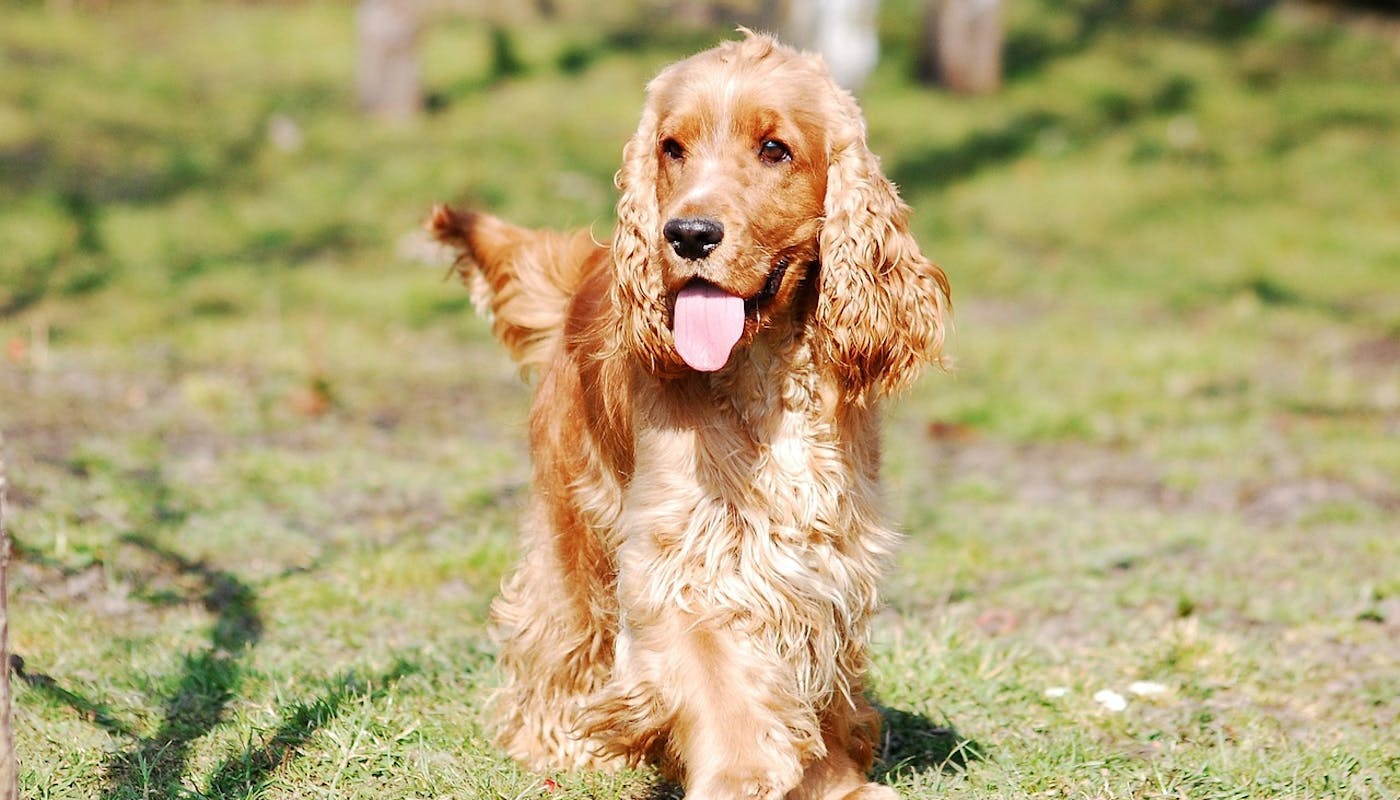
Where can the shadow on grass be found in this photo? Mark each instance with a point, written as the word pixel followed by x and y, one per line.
pixel 147 771
pixel 184 163
pixel 644 35
pixel 914 743
pixel 1022 133
pixel 157 765
pixel 663 790
pixel 246 774
pixel 196 704
pixel 99 714
pixel 199 693
pixel 1031 48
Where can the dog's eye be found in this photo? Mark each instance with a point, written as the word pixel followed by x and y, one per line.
pixel 673 149
pixel 773 151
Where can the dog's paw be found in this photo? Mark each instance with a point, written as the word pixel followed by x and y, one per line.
pixel 871 791
pixel 735 790
pixel 739 785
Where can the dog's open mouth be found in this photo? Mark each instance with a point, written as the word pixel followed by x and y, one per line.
pixel 769 290
pixel 709 320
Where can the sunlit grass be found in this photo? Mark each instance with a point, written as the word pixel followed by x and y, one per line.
pixel 266 465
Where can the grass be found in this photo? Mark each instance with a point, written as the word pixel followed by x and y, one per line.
pixel 265 466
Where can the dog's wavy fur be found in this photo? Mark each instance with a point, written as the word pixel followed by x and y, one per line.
pixel 702 550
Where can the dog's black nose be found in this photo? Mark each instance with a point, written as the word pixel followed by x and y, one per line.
pixel 693 237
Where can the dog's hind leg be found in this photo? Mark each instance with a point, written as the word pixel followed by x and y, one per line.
pixel 556 652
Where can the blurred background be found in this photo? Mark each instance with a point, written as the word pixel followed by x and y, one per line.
pixel 265 463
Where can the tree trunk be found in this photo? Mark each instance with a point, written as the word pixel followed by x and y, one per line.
pixel 389 86
pixel 843 31
pixel 963 45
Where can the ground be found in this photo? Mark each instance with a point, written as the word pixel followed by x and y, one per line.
pixel 265 464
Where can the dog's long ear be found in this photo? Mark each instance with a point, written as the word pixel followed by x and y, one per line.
pixel 638 291
pixel 882 306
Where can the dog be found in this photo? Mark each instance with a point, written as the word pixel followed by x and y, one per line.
pixel 704 542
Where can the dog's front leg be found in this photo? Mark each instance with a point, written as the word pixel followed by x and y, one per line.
pixel 730 731
pixel 705 676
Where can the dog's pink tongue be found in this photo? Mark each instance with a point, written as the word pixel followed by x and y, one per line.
pixel 709 321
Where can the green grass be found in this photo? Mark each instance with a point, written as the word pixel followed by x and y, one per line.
pixel 1169 451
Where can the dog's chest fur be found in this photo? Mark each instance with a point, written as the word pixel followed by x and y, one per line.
pixel 759 512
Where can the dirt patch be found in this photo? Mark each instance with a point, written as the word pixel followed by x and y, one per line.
pixel 1381 352
pixel 1074 474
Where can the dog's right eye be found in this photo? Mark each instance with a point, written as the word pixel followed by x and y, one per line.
pixel 673 149
pixel 773 151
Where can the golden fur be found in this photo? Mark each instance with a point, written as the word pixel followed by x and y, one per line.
pixel 702 550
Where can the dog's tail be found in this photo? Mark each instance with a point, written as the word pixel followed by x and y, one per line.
pixel 520 279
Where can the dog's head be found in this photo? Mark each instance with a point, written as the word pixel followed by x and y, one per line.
pixel 749 196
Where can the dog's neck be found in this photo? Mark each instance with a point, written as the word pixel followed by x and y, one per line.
pixel 772 424
pixel 767 383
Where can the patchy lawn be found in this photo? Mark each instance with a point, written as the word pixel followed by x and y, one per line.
pixel 266 465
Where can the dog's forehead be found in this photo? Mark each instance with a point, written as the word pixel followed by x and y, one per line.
pixel 753 78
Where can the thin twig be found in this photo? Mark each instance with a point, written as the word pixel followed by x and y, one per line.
pixel 9 780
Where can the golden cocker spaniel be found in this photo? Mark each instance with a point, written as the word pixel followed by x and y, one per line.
pixel 704 542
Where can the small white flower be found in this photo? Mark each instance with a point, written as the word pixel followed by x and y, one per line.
pixel 284 133
pixel 1110 700
pixel 1057 691
pixel 1182 132
pixel 1147 688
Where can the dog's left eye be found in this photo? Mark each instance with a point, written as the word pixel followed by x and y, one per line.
pixel 773 151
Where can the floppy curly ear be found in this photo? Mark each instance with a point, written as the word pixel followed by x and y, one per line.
pixel 637 291
pixel 881 307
